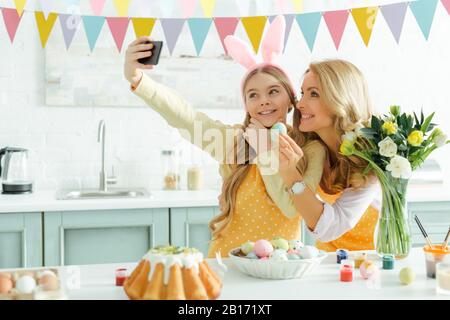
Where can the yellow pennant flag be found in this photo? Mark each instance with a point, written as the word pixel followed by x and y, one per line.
pixel 122 7
pixel 298 5
pixel 365 21
pixel 143 26
pixel 45 26
pixel 20 5
pixel 208 7
pixel 254 26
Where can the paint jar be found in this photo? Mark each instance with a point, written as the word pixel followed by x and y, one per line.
pixel 359 258
pixel 347 267
pixel 388 262
pixel 434 255
pixel 341 254
pixel 443 278
pixel 121 276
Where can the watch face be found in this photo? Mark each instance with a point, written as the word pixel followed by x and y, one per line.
pixel 298 187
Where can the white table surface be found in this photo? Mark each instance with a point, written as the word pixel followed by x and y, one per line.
pixel 45 201
pixel 98 282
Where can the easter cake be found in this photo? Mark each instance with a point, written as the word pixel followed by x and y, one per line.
pixel 173 273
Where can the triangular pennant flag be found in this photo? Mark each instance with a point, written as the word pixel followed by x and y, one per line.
pixel 446 4
pixel 12 21
pixel 309 25
pixel 298 5
pixel 424 11
pixel 44 25
pixel 166 7
pixel 336 22
pixel 365 21
pixel 47 6
pixel 93 26
pixel 254 26
pixel 122 7
pixel 394 14
pixel 69 25
pixel 187 7
pixel 118 27
pixel 172 29
pixel 97 6
pixel 199 30
pixel 243 7
pixel 143 26
pixel 208 7
pixel 20 5
pixel 225 27
pixel 289 18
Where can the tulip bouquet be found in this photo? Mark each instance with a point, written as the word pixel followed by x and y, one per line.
pixel 394 145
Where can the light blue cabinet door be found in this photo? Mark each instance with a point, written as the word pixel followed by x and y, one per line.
pixel 435 218
pixel 103 236
pixel 189 227
pixel 20 240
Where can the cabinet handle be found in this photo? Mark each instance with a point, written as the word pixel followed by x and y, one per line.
pixel 24 248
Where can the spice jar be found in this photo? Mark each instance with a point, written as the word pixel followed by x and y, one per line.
pixel 171 170
pixel 195 178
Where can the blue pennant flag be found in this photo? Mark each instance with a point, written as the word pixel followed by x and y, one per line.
pixel 309 25
pixel 424 11
pixel 93 26
pixel 199 30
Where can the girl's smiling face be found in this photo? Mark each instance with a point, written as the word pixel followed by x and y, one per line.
pixel 266 99
pixel 315 115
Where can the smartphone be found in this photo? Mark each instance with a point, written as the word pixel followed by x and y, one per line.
pixel 156 52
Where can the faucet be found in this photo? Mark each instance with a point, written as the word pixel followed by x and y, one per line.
pixel 104 180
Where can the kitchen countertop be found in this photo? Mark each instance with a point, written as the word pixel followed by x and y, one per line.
pixel 45 201
pixel 97 282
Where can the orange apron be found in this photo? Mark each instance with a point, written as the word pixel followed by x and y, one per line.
pixel 255 217
pixel 361 237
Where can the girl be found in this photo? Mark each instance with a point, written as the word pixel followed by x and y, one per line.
pixel 251 209
pixel 334 100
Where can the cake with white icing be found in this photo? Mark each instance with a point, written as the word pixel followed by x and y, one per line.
pixel 173 273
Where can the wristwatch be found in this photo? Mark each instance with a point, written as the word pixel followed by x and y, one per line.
pixel 297 188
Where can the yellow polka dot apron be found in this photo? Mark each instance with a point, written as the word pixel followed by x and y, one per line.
pixel 255 217
pixel 361 237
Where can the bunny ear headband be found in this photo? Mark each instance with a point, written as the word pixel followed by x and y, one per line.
pixel 272 48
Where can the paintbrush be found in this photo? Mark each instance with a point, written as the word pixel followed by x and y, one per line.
pixel 444 244
pixel 425 235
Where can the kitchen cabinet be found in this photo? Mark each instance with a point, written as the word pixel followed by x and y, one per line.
pixel 103 236
pixel 189 227
pixel 20 240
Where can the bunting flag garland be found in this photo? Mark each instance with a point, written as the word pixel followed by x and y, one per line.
pixel 424 12
pixel 143 26
pixel 394 14
pixel 12 20
pixel 336 22
pixel 365 21
pixel 254 26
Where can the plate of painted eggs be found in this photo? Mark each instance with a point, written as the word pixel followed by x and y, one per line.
pixel 276 259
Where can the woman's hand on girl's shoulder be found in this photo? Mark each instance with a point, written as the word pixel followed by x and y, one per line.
pixel 136 50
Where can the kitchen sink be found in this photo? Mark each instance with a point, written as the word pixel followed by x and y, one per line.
pixel 99 194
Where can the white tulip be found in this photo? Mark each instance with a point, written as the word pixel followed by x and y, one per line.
pixel 440 140
pixel 399 167
pixel 358 128
pixel 350 136
pixel 388 148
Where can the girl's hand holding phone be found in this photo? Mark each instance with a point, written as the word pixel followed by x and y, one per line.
pixel 138 49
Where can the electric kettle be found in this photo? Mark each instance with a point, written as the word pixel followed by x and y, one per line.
pixel 14 171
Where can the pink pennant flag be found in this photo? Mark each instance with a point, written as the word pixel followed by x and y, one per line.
pixel 336 21
pixel 446 4
pixel 118 27
pixel 225 27
pixel 12 20
pixel 97 6
pixel 187 7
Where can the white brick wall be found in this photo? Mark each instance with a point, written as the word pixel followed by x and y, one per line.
pixel 64 152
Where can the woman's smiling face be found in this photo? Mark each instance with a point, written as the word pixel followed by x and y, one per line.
pixel 266 99
pixel 315 114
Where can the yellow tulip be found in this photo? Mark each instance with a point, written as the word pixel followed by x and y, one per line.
pixel 389 127
pixel 347 148
pixel 415 138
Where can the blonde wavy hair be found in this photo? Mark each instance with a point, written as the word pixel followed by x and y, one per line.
pixel 238 171
pixel 346 94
